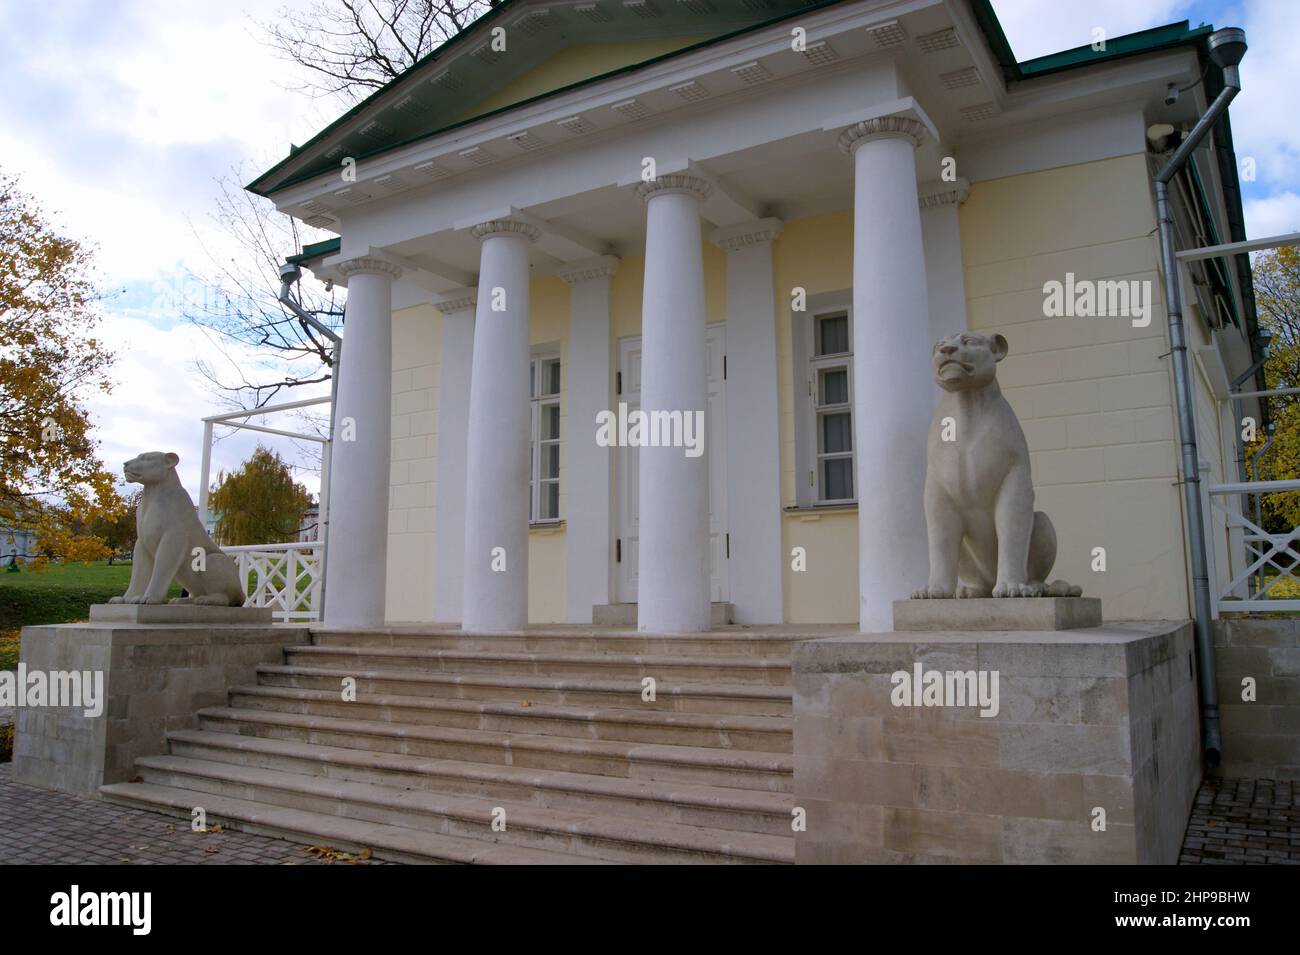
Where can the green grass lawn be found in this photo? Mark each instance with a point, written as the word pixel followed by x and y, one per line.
pixel 61 594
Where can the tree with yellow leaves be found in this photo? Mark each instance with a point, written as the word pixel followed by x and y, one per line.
pixel 51 480
pixel 1277 297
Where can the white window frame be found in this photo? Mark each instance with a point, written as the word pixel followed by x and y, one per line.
pixel 814 366
pixel 537 404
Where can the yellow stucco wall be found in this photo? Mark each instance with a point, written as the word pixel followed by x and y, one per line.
pixel 1094 395
pixel 417 337
pixel 815 254
pixel 574 64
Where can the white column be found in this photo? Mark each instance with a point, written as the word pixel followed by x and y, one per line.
pixel 753 423
pixel 357 565
pixel 945 275
pixel 891 363
pixel 453 435
pixel 496 474
pixel 587 537
pixel 673 552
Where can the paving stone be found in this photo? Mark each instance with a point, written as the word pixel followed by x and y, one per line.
pixel 1243 822
pixel 42 827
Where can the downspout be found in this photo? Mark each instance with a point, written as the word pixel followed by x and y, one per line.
pixel 289 274
pixel 1226 48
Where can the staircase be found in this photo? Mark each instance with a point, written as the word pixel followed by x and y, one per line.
pixel 545 732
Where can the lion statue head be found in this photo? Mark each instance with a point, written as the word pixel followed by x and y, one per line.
pixel 966 361
pixel 150 467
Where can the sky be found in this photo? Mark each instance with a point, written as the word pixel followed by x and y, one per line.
pixel 119 116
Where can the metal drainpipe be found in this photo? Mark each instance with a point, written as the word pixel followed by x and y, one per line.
pixel 289 273
pixel 1212 740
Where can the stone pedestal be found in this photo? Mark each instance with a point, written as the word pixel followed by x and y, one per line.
pixel 1083 722
pixel 178 613
pixel 153 677
pixel 991 613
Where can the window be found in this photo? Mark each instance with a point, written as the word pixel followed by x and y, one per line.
pixel 828 421
pixel 544 458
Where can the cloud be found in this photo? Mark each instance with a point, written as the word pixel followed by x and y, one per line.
pixel 160 399
pixel 1278 214
pixel 119 122
pixel 1036 28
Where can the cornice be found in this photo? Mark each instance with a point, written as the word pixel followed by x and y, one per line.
pixel 368 265
pixel 586 270
pixel 675 184
pixel 884 127
pixel 735 237
pixel 494 227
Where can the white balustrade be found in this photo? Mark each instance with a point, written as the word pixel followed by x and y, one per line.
pixel 286 577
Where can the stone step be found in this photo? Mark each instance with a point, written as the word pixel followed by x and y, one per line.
pixel 624 614
pixel 774 672
pixel 603 837
pixel 719 643
pixel 694 765
pixel 771 734
pixel 745 810
pixel 394 843
pixel 718 698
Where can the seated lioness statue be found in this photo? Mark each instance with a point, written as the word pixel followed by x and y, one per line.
pixel 985 537
pixel 171 543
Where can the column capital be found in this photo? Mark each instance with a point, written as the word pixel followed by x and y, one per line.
pixel 585 270
pixel 675 183
pixel 883 127
pixel 931 195
pixel 458 300
pixel 485 230
pixel 369 265
pixel 733 238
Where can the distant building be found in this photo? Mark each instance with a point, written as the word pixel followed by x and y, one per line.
pixel 16 544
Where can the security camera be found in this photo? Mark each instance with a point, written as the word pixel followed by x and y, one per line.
pixel 1171 94
pixel 290 273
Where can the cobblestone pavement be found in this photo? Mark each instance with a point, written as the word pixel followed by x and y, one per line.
pixel 1234 822
pixel 1244 822
pixel 45 827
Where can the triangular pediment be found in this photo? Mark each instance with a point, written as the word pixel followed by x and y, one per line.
pixel 521 50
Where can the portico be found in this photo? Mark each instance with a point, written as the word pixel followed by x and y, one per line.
pixel 764 233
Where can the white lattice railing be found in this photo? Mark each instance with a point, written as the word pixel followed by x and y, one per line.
pixel 1272 560
pixel 286 577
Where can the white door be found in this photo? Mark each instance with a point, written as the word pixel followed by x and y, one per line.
pixel 715 439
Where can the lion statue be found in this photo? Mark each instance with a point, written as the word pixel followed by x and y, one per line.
pixel 169 539
pixel 986 539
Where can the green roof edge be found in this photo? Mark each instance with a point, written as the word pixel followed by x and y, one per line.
pixel 316 250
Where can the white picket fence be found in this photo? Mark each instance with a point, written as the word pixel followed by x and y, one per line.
pixel 1270 560
pixel 286 577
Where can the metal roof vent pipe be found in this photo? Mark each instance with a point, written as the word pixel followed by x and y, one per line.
pixel 1226 48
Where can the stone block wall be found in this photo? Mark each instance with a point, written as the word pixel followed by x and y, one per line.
pixel 155 679
pixel 1104 717
pixel 1261 738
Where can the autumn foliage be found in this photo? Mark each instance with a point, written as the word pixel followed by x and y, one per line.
pixel 1277 298
pixel 260 503
pixel 51 479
